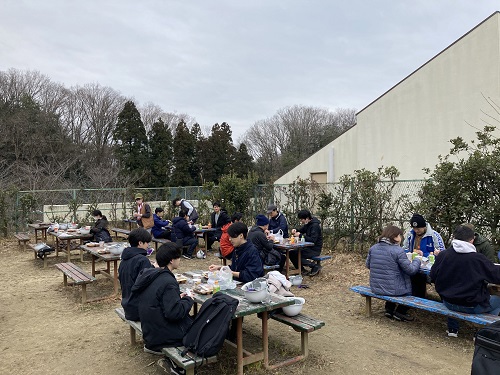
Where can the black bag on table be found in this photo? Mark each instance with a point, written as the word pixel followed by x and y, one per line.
pixel 206 335
pixel 486 360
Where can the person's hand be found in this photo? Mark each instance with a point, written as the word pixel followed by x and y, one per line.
pixel 436 251
pixel 296 234
pixel 419 252
pixel 135 214
pixel 213 267
pixel 294 231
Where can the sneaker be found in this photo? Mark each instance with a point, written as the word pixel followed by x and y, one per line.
pixel 402 317
pixel 185 256
pixel 389 315
pixel 452 332
pixel 315 270
pixel 146 350
pixel 170 367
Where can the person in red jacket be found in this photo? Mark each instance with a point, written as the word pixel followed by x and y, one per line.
pixel 226 247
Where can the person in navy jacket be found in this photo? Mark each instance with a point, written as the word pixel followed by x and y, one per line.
pixel 184 233
pixel 245 263
pixel 277 221
pixel 159 230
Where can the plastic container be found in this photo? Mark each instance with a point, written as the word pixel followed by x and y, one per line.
pixel 296 280
pixel 296 308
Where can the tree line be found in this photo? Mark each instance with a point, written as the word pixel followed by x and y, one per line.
pixel 94 137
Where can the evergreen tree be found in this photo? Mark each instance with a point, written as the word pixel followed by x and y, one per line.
pixel 162 160
pixel 221 151
pixel 131 143
pixel 184 146
pixel 243 162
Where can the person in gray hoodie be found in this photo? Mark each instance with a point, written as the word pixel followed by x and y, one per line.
pixel 390 271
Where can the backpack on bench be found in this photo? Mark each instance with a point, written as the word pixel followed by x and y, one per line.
pixel 206 335
pixel 486 360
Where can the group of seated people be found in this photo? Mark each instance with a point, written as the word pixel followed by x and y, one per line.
pixel 460 273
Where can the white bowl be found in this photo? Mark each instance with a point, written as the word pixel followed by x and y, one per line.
pixel 296 280
pixel 84 231
pixel 293 310
pixel 116 249
pixel 254 296
pixel 63 226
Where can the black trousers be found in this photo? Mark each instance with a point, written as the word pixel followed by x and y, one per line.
pixel 212 237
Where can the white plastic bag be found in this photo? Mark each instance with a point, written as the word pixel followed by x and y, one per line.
pixel 226 278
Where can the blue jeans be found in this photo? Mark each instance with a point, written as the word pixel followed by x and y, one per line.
pixel 493 308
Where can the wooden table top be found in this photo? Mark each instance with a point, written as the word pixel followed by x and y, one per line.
pixel 291 246
pixel 64 235
pixel 94 250
pixel 39 225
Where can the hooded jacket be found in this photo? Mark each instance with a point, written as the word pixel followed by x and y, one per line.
pixel 390 269
pixel 461 275
pixel 182 230
pixel 163 313
pixel 133 261
pixel 430 241
pixel 157 229
pixel 278 222
pixel 312 233
pixel 268 254
pixel 247 262
pixel 226 247
pixel 483 246
pixel 100 230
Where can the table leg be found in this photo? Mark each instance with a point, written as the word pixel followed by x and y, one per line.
pixel 57 246
pixel 115 275
pixel 299 261
pixel 68 249
pixel 36 235
pixel 205 237
pixel 239 344
pixel 265 341
pixel 93 264
pixel 44 234
pixel 287 263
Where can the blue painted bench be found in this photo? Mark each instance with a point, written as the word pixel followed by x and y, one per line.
pixel 424 304
pixel 321 258
pixel 271 268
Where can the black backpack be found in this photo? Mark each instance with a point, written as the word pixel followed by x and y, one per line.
pixel 486 360
pixel 206 335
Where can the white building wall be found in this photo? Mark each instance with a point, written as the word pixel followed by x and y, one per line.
pixel 411 125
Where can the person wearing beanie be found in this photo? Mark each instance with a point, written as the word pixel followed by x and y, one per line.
pixel 461 276
pixel 277 221
pixel 257 235
pixel 422 239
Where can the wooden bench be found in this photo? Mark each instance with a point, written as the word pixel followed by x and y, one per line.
pixel 300 323
pixel 79 277
pixel 159 240
pixel 423 304
pixel 22 239
pixel 189 362
pixel 45 254
pixel 126 232
pixel 321 258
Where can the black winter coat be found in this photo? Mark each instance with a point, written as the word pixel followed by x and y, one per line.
pixel 133 261
pixel 164 314
pixel 268 254
pixel 312 233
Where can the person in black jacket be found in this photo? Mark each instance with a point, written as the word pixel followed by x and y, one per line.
pixel 184 233
pixel 134 260
pixel 218 219
pixel 100 228
pixel 163 309
pixel 461 276
pixel 277 221
pixel 257 234
pixel 311 232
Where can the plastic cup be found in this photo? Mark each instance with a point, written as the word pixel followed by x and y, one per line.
pixel 101 243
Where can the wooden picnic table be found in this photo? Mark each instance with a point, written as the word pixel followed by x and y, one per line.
pixel 130 222
pixel 246 308
pixel 108 258
pixel 42 227
pixel 68 237
pixel 286 248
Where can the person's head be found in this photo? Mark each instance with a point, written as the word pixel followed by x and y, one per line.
pixel 139 198
pixel 304 216
pixel 237 233
pixel 418 224
pixel 139 237
pixel 262 221
pixel 236 217
pixel 97 214
pixel 159 211
pixel 183 213
pixel 272 210
pixel 469 225
pixel 463 233
pixel 176 202
pixel 216 207
pixel 168 255
pixel 392 233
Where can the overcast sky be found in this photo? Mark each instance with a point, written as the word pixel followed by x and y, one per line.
pixel 237 61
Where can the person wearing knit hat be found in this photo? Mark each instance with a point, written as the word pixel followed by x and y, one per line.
pixel 424 240
pixel 257 235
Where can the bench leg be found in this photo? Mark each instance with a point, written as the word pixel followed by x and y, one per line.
pixel 368 306
pixel 190 371
pixel 45 261
pixel 133 341
pixel 304 343
pixel 65 280
pixel 84 293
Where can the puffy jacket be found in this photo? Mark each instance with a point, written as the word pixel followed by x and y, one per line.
pixel 157 229
pixel 100 230
pixel 163 313
pixel 226 247
pixel 390 269
pixel 430 241
pixel 312 233
pixel 247 262
pixel 483 246
pixel 278 222
pixel 134 260
pixel 182 230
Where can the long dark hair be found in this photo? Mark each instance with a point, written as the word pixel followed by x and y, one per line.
pixel 391 232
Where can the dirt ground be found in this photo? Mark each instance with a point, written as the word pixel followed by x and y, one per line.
pixel 46 330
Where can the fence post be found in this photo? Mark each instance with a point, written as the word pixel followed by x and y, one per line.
pixel 351 226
